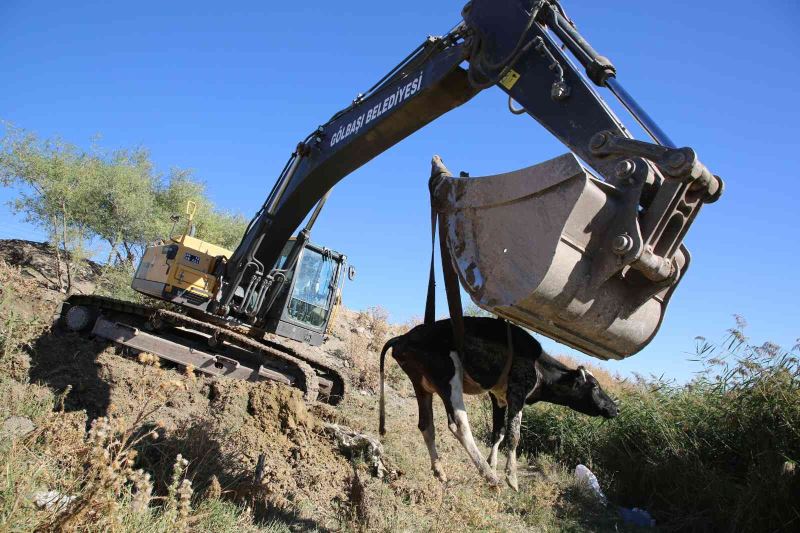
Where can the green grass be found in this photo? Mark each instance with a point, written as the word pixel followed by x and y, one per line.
pixel 716 454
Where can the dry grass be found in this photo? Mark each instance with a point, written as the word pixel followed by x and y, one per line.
pixel 22 320
pixel 363 341
pixel 89 480
pixel 118 478
pixel 413 500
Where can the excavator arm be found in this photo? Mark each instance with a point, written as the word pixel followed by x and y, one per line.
pixel 423 87
pixel 643 195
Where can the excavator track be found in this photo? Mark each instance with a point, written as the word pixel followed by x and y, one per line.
pixel 146 328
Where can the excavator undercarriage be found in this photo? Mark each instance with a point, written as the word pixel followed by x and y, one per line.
pixel 209 346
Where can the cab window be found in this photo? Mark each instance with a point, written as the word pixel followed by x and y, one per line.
pixel 311 293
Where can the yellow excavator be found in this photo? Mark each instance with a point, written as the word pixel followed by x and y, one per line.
pixel 184 271
pixel 586 248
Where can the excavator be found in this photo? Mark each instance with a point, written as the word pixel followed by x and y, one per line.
pixel 586 248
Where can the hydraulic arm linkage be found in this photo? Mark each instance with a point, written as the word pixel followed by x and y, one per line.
pixel 655 189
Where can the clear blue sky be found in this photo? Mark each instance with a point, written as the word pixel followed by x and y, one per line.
pixel 229 89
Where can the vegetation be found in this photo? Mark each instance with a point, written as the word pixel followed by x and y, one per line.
pixel 719 453
pixel 60 477
pixel 117 198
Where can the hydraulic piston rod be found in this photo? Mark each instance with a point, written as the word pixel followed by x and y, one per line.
pixel 601 71
pixel 639 113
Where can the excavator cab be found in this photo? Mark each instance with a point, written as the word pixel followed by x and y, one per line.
pixel 306 305
pixel 184 270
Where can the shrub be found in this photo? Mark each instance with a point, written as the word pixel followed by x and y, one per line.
pixel 363 344
pixel 718 453
pixel 115 282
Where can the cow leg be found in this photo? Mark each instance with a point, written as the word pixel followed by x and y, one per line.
pixel 514 422
pixel 459 424
pixel 428 429
pixel 498 430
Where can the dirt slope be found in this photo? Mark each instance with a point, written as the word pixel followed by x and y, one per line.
pixel 223 427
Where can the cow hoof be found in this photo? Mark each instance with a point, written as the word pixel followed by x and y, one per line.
pixel 439 474
pixel 493 480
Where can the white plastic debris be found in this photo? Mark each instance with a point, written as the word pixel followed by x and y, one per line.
pixel 359 443
pixel 585 476
pixel 635 516
pixel 51 499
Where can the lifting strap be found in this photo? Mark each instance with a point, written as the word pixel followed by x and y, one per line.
pixel 430 301
pixel 451 283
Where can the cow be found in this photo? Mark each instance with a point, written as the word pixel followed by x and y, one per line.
pixel 500 359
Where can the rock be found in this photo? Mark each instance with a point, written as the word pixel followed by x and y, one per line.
pixel 354 443
pixel 16 427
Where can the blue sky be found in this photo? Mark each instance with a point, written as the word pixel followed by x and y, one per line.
pixel 228 91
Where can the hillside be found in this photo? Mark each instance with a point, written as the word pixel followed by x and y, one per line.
pixel 121 472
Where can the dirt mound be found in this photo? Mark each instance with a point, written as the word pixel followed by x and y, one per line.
pixel 258 441
pixel 37 261
pixel 286 405
pixel 222 427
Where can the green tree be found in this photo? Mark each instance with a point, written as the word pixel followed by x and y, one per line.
pixel 473 310
pixel 117 197
pixel 52 191
pixel 120 189
pixel 218 227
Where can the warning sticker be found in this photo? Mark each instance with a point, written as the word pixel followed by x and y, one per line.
pixel 510 78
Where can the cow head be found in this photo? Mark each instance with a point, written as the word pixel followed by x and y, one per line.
pixel 579 390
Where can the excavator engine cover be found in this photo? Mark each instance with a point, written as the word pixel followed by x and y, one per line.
pixel 554 249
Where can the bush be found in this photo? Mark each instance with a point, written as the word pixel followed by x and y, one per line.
pixel 363 344
pixel 718 453
pixel 115 282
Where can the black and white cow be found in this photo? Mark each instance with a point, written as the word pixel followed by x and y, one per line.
pixel 513 377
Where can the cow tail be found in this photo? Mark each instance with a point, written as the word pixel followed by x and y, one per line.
pixel 382 416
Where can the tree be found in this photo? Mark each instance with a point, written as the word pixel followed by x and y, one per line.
pixel 52 194
pixel 219 227
pixel 473 310
pixel 117 197
pixel 120 188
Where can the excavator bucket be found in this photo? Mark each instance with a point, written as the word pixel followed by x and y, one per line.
pixel 554 249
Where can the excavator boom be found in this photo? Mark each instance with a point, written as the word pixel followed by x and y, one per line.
pixel 588 256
